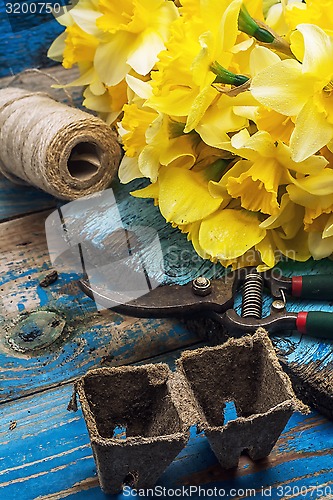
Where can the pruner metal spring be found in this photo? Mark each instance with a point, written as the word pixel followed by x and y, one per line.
pixel 252 293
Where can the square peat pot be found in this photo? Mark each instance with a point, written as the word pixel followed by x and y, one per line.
pixel 247 373
pixel 134 426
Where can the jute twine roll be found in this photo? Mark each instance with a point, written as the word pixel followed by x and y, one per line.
pixel 59 149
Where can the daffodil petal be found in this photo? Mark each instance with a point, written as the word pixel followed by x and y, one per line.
pixel 260 141
pixel 85 79
pixel 313 165
pixel 149 162
pixel 318 185
pixel 212 135
pixel 151 191
pixel 97 88
pixel 86 19
pixel 176 103
pixel 116 50
pixel 308 200
pixel 283 87
pixel 128 170
pixel 239 140
pixel 143 55
pixel 281 216
pixel 193 236
pixel 312 132
pixel 56 50
pixel 297 44
pixel 228 234
pixel 268 253
pixel 140 88
pixel 289 218
pixel 318 53
pixel 184 197
pixel 320 247
pixel 229 25
pixel 328 229
pixel 199 106
pixel 180 150
pixel 261 58
pixel 295 248
pixel 65 19
pixel 94 102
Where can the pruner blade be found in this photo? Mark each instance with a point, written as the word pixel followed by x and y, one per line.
pixel 164 301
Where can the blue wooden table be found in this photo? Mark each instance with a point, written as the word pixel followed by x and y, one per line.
pixel 45 451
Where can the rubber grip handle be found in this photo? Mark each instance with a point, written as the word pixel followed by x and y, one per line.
pixel 315 323
pixel 319 286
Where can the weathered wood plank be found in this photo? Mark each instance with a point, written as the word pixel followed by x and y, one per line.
pixel 25 39
pixel 307 360
pixel 16 200
pixel 89 337
pixel 41 80
pixel 57 461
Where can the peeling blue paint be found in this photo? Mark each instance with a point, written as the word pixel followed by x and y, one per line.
pixel 26 48
pixel 43 296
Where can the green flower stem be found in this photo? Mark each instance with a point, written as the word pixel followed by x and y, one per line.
pixel 248 25
pixel 225 76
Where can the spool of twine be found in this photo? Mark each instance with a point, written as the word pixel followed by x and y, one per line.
pixel 59 149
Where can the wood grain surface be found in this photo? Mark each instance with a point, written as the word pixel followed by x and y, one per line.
pixel 90 337
pixel 25 39
pixel 50 457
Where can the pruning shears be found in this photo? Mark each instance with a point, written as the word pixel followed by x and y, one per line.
pixel 215 299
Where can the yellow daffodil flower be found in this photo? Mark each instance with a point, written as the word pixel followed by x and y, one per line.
pixel 288 220
pixel 154 139
pixel 313 12
pixel 226 106
pixel 183 196
pixel 279 126
pixel 303 90
pixel 182 84
pixel 257 181
pixel 228 234
pixel 315 193
pixel 78 43
pixel 79 46
pixel 108 105
pixel 137 31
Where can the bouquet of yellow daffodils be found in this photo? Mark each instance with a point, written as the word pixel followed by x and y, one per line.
pixel 226 106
